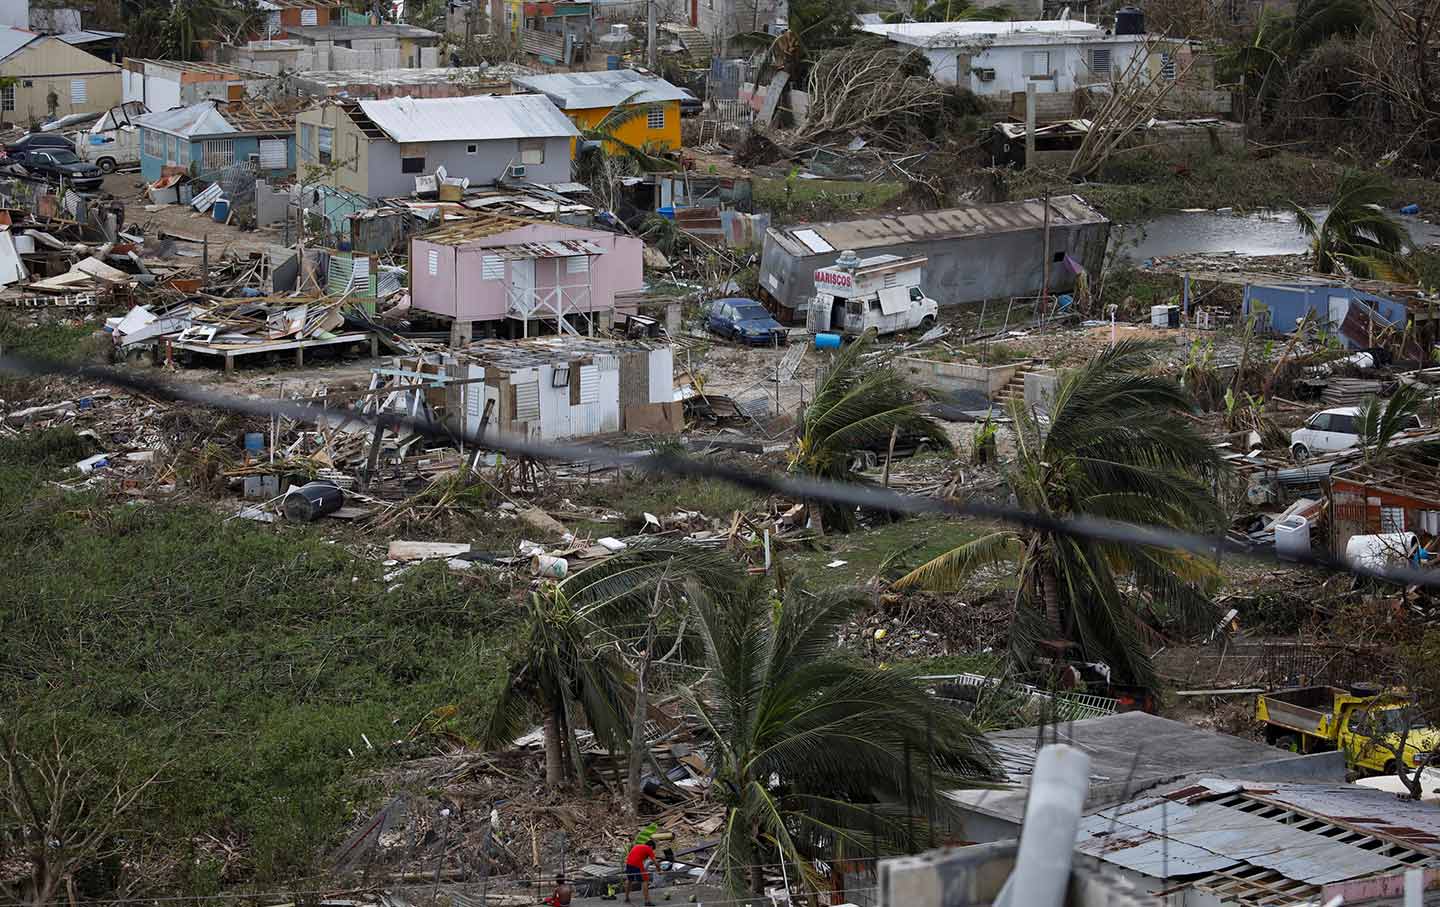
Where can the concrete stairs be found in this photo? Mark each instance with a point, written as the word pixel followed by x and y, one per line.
pixel 1014 389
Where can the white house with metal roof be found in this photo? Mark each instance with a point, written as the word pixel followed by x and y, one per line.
pixel 376 148
pixel 46 77
pixel 998 58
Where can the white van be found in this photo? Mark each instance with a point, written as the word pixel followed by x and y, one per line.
pixel 113 143
pixel 882 292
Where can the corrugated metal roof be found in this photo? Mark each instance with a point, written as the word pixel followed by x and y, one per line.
pixel 950 223
pixel 197 119
pixel 359 32
pixel 950 34
pixel 89 37
pixel 607 88
pixel 476 118
pixel 1414 824
pixel 13 39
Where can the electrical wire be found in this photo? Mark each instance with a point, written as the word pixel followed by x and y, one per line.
pixel 857 495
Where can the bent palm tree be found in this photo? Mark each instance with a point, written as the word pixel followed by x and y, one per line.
pixel 817 755
pixel 1378 422
pixel 1117 446
pixel 859 404
pixel 1357 235
pixel 570 654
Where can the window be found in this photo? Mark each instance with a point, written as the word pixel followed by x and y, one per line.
pixel 589 384
pixel 307 142
pixel 1167 67
pixel 327 145
pixel 78 92
pixel 1344 424
pixel 153 148
pixel 1037 64
pixel 432 262
pixel 527 400
pixel 532 151
pixel 1320 422
pixel 655 119
pixel 492 267
pixel 471 149
pixel 892 279
pixel 577 264
pixel 7 98
pixel 29 83
pixel 1392 519
pixel 916 295
pixel 309 17
pixel 1100 61
pixel 412 158
pixel 219 153
pixel 1058 257
pixel 182 156
pixel 355 153
pixel 560 376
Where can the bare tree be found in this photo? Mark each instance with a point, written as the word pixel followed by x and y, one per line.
pixel 59 816
pixel 864 87
pixel 1132 99
pixel 1398 67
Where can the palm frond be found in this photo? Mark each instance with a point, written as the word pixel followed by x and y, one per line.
pixel 949 570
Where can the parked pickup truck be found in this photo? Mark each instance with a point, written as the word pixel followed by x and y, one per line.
pixel 1364 724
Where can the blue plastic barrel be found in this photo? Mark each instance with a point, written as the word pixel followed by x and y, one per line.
pixel 254 441
pixel 827 341
pixel 666 211
pixel 221 209
pixel 612 61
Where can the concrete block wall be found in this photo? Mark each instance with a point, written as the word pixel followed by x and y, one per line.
pixel 957 377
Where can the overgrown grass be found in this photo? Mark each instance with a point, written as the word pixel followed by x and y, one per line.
pixel 62 340
pixel 1136 186
pixel 888 550
pixel 791 200
pixel 249 665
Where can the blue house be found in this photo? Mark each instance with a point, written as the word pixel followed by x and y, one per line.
pixel 1355 315
pixel 208 137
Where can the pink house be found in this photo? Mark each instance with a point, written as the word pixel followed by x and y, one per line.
pixel 511 272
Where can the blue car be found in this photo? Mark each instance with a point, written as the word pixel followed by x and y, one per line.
pixel 744 321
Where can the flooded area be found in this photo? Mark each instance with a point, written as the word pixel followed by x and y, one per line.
pixel 1217 232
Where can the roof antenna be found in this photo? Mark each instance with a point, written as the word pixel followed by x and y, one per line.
pixel 1065 14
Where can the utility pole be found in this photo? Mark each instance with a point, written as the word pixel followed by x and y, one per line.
pixel 1045 265
pixel 650 35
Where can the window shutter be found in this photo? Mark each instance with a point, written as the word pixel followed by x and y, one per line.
pixel 589 384
pixel 527 400
pixel 577 264
pixel 492 267
pixel 78 93
pixel 432 262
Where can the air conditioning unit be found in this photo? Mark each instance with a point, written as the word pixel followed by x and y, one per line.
pixel 517 171
pixel 252 158
pixel 985 75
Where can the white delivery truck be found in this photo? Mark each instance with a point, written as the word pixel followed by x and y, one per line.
pixel 113 143
pixel 882 292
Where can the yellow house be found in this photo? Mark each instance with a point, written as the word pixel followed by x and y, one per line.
pixel 43 77
pixel 588 97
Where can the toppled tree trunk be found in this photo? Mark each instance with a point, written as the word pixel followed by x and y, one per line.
pixel 554 764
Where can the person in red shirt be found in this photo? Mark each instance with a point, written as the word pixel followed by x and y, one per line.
pixel 635 862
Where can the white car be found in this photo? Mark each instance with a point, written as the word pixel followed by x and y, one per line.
pixel 1331 430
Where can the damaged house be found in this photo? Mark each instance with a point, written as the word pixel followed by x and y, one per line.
pixel 550 387
pixel 379 147
pixel 511 274
pixel 210 136
pixel 1395 493
pixel 589 97
pixel 974 252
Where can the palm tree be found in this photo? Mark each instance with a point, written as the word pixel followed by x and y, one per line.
pixel 817 755
pixel 1116 445
pixel 571 648
pixel 1358 235
pixel 861 402
pixel 1378 422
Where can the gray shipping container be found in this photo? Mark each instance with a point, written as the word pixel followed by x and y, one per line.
pixel 974 252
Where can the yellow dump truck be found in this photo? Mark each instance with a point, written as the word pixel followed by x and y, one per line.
pixel 1364 724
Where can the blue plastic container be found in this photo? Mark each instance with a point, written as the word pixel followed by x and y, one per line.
pixel 221 209
pixel 666 211
pixel 827 341
pixel 612 62
pixel 1410 209
pixel 254 441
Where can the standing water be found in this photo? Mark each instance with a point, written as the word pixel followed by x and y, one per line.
pixel 1213 232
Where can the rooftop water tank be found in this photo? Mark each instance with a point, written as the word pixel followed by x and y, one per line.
pixel 1129 21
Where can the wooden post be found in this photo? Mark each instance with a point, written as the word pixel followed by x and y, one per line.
pixel 1029 125
pixel 204 261
pixel 1045 272
pixel 889 455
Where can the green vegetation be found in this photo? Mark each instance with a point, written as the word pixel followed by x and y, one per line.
pixel 1357 235
pixel 808 740
pixel 793 199
pixel 860 405
pixel 885 550
pixel 260 671
pixel 1117 446
pixel 1137 186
